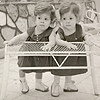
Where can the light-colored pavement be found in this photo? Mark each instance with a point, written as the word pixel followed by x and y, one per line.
pixel 83 82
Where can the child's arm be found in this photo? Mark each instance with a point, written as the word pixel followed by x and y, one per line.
pixel 61 42
pixel 86 36
pixel 88 39
pixel 18 38
pixel 51 42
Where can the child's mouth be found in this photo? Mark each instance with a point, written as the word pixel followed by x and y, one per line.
pixel 68 25
pixel 41 25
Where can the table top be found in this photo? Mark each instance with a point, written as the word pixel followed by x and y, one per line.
pixel 35 48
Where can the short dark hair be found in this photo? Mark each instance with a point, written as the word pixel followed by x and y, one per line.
pixel 70 7
pixel 43 7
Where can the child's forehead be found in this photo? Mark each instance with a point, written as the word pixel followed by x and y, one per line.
pixel 46 14
pixel 68 14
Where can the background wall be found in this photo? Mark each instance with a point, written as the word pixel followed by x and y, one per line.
pixel 98 7
pixel 16 17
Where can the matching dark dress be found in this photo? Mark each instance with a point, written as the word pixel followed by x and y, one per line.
pixel 41 61
pixel 36 61
pixel 72 60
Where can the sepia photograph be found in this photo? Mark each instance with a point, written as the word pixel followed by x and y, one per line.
pixel 49 50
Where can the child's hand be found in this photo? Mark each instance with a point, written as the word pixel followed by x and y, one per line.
pixel 71 46
pixel 88 40
pixel 7 42
pixel 46 47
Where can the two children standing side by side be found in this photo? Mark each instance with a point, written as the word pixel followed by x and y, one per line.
pixel 69 31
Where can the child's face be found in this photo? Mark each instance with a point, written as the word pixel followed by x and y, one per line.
pixel 68 20
pixel 43 21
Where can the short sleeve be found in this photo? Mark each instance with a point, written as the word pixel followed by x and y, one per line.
pixel 61 33
pixel 30 30
pixel 79 32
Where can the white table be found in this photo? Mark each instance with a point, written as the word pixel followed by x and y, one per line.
pixel 33 49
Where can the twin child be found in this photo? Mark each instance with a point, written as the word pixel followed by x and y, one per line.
pixel 69 31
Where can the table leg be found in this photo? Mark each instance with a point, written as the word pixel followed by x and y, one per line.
pixel 93 72
pixel 5 78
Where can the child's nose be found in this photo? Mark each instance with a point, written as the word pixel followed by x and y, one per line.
pixel 42 21
pixel 67 20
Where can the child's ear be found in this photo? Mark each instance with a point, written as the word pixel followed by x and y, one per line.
pixel 61 23
pixel 78 19
pixel 53 22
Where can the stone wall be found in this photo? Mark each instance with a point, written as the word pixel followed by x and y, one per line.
pixel 16 17
pixel 39 0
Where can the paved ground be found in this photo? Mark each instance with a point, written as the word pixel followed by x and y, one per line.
pixel 83 82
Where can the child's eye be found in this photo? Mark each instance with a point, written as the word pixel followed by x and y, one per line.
pixel 39 17
pixel 45 19
pixel 64 18
pixel 71 18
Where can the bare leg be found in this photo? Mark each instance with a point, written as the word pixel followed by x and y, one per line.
pixel 56 79
pixel 39 76
pixel 21 74
pixel 69 85
pixel 68 79
pixel 23 82
pixel 55 86
pixel 39 85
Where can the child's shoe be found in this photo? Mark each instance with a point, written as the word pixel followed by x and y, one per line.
pixel 24 86
pixel 70 87
pixel 41 87
pixel 55 89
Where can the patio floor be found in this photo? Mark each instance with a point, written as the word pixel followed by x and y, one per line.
pixel 83 82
